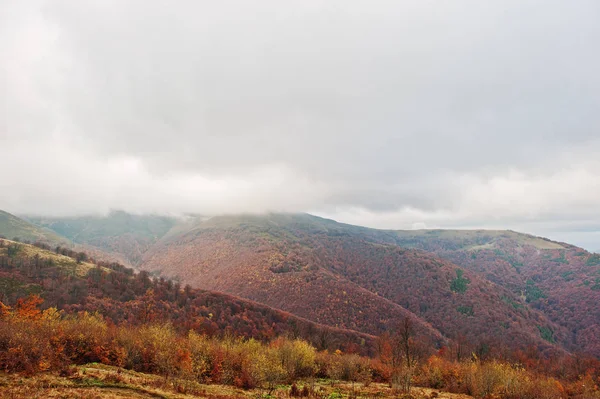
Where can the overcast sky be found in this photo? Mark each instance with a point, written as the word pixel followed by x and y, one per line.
pixel 399 114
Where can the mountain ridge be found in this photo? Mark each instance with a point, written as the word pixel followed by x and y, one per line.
pixel 266 257
pixel 119 232
pixel 250 255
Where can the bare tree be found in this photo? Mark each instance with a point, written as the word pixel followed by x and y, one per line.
pixel 406 334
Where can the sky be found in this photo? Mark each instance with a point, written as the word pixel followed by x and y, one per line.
pixel 390 114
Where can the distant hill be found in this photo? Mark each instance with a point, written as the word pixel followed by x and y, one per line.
pixel 559 279
pixel 13 227
pixel 119 232
pixel 348 276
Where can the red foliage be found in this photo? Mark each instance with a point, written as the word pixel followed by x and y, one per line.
pixel 28 308
pixel 348 277
pixel 122 296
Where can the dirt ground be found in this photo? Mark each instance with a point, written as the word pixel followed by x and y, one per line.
pixel 96 381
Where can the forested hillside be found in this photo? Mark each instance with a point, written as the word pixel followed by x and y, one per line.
pixel 558 279
pixel 118 232
pixel 77 328
pixel 69 281
pixel 14 227
pixel 338 275
pixel 490 288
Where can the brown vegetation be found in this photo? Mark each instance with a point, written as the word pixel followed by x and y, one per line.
pixel 122 296
pixel 341 276
pixel 559 280
pixel 33 341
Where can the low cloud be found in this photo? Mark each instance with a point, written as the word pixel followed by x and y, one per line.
pixel 394 114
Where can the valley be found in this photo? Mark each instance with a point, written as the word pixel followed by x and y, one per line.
pixel 492 288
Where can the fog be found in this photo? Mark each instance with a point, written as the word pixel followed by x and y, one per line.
pixel 411 114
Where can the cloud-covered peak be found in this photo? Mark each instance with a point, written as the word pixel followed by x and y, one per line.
pixel 389 114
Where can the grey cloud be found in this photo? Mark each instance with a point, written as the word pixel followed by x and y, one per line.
pixel 329 90
pixel 385 106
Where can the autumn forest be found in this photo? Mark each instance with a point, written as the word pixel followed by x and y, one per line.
pixel 307 308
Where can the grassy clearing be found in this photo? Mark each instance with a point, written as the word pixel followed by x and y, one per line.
pixel 61 261
pixel 471 239
pixel 100 381
pixel 488 245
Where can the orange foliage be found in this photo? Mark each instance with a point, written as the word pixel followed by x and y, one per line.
pixel 4 310
pixel 28 308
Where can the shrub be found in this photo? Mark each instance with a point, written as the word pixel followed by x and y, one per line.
pixel 155 349
pixel 273 371
pixel 460 283
pixel 86 339
pixel 201 356
pixel 402 378
pixel 297 357
pixel 31 342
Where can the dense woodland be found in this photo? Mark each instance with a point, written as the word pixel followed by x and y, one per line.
pixel 35 341
pixel 560 280
pixel 341 276
pixel 59 308
pixel 68 281
pixel 514 289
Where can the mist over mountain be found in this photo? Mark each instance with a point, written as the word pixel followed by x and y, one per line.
pixel 281 199
pixel 389 115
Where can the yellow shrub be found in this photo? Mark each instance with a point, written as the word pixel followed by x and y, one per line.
pixel 297 357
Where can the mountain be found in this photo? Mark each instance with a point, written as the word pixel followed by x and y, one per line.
pixel 122 296
pixel 119 232
pixel 558 279
pixel 13 227
pixel 519 288
pixel 349 277
pixel 122 334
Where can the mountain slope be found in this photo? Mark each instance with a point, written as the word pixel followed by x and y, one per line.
pixel 257 257
pixel 341 275
pixel 118 232
pixel 14 227
pixel 561 280
pixel 122 296
pixel 228 265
